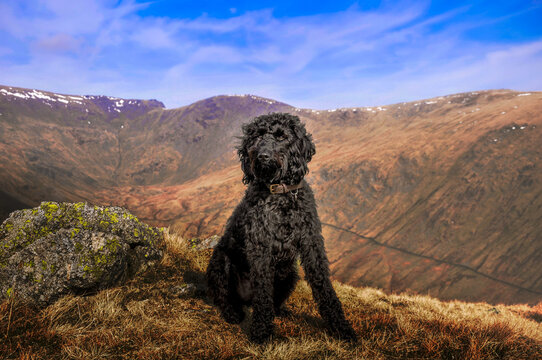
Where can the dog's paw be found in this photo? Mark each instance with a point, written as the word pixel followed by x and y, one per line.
pixel 342 329
pixel 233 317
pixel 348 334
pixel 261 334
pixel 260 338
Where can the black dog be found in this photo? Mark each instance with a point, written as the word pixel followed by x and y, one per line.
pixel 254 262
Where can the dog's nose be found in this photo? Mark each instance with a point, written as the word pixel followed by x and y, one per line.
pixel 264 156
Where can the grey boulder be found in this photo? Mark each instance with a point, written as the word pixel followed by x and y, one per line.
pixel 60 248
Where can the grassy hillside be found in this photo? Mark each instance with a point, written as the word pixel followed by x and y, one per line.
pixel 165 315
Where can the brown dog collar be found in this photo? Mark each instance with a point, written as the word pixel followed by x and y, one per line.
pixel 283 188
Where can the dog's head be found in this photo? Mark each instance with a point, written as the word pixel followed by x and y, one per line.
pixel 275 148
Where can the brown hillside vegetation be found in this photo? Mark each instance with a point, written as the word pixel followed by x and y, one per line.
pixel 165 315
pixel 441 196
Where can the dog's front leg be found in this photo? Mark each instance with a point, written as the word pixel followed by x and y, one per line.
pixel 261 277
pixel 316 267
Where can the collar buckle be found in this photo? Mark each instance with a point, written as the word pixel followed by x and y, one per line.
pixel 277 189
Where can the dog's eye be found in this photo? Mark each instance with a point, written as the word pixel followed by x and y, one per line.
pixel 279 135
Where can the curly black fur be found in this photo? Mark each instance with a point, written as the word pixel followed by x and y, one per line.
pixel 254 262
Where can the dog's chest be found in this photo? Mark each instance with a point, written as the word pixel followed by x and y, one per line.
pixel 283 220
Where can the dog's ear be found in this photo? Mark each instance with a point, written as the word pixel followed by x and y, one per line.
pixel 303 139
pixel 301 151
pixel 307 148
pixel 242 151
pixel 248 176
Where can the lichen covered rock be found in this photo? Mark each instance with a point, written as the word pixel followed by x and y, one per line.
pixel 208 243
pixel 60 248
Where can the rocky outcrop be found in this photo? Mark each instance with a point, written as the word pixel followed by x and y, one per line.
pixel 204 244
pixel 60 248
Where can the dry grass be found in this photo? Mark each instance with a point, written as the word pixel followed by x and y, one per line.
pixel 160 316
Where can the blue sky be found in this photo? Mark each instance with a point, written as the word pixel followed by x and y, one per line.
pixel 306 53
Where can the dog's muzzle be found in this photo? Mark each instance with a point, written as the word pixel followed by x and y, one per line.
pixel 265 165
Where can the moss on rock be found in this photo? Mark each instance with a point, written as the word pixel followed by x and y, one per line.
pixel 77 246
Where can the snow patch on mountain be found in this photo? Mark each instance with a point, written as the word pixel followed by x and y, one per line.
pixel 254 97
pixel 39 95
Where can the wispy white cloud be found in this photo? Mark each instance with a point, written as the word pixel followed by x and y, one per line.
pixel 348 58
pixel 513 67
pixel 58 43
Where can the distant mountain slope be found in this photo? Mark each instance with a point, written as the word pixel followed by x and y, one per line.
pixel 440 196
pixel 57 146
pixel 62 147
